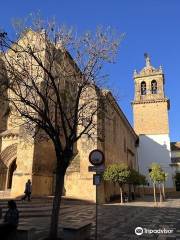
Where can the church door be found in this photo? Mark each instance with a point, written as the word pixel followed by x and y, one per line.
pixel 3 174
pixel 12 168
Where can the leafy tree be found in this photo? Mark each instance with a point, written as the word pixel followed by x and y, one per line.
pixel 157 176
pixel 142 180
pixel 137 179
pixel 154 175
pixel 54 79
pixel 164 178
pixel 134 177
pixel 133 180
pixel 117 173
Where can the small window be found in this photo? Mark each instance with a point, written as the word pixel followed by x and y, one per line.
pixel 143 88
pixel 154 87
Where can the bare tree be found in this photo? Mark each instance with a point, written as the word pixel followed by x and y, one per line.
pixel 54 83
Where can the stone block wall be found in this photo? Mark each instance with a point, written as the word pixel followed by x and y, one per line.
pixel 24 161
pixel 119 143
pixel 146 120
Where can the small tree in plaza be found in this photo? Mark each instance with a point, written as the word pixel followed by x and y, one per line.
pixel 154 171
pixel 137 179
pixel 142 181
pixel 133 180
pixel 117 173
pixel 158 176
pixel 164 178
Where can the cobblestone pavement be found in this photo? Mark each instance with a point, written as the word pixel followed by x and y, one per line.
pixel 140 214
pixel 115 221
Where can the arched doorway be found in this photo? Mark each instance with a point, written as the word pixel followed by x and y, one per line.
pixel 7 166
pixel 12 168
pixel 3 175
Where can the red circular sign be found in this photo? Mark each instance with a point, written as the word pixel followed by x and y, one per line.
pixel 96 157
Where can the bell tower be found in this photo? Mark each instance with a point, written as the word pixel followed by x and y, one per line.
pixel 150 111
pixel 150 105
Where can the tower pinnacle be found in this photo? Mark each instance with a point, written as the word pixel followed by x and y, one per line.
pixel 147 59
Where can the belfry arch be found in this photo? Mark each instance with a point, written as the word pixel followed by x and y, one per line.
pixel 7 166
pixel 154 87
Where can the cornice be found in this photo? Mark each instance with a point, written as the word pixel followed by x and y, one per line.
pixel 150 101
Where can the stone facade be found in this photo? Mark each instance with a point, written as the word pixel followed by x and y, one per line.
pixel 117 139
pixel 21 160
pixel 146 120
pixel 30 160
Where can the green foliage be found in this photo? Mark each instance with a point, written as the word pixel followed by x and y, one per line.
pixel 117 173
pixel 164 176
pixel 157 174
pixel 142 180
pixel 136 178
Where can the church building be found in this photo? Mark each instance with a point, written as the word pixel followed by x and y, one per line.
pixel 35 160
pixel 138 147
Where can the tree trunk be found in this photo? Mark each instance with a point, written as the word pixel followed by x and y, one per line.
pixel 129 192
pixel 53 233
pixel 143 192
pixel 62 164
pixel 160 194
pixel 114 187
pixel 163 191
pixel 155 200
pixel 135 194
pixel 121 193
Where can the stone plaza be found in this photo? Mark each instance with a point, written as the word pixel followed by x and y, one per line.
pixel 115 221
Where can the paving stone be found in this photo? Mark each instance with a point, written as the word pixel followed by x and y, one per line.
pixel 114 220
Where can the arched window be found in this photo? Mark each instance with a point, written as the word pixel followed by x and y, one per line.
pixel 153 87
pixel 143 88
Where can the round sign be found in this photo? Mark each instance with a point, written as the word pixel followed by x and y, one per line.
pixel 96 157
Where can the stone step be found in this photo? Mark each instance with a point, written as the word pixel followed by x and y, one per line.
pixel 37 210
pixel 32 210
pixel 27 204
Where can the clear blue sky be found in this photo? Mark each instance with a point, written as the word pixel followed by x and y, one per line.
pixel 151 26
